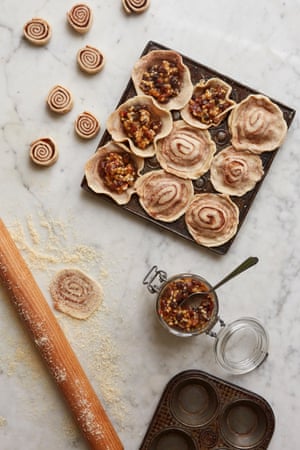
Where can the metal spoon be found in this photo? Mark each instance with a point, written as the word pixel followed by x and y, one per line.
pixel 196 298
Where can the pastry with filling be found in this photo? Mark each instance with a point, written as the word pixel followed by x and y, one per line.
pixel 164 196
pixel 186 152
pixel 135 6
pixel 235 172
pixel 257 124
pixel 209 104
pixel 113 170
pixel 212 219
pixel 141 122
pixel 80 17
pixel 37 31
pixel 163 75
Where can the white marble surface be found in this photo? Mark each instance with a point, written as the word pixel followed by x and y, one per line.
pixel 256 43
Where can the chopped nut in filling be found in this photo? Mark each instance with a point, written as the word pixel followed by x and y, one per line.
pixel 140 125
pixel 207 105
pixel 186 318
pixel 162 81
pixel 118 171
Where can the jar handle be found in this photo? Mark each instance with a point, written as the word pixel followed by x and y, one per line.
pixel 153 275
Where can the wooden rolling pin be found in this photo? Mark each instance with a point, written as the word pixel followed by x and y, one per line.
pixel 54 347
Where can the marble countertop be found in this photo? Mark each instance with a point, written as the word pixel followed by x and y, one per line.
pixel 127 356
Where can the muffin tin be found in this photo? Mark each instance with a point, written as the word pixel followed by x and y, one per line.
pixel 220 135
pixel 198 411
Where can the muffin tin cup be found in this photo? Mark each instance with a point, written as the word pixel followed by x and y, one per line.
pixel 198 411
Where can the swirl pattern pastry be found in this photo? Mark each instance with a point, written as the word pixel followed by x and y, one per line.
pixel 86 125
pixel 257 124
pixel 135 6
pixel 186 152
pixel 74 293
pixel 212 219
pixel 60 100
pixel 43 151
pixel 90 59
pixel 37 31
pixel 235 172
pixel 164 196
pixel 80 17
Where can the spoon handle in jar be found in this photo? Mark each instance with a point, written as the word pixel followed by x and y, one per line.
pixel 249 262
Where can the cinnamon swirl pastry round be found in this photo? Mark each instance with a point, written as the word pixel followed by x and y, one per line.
pixel 90 59
pixel 164 196
pixel 212 219
pixel 186 152
pixel 60 100
pixel 37 31
pixel 80 17
pixel 235 172
pixel 135 6
pixel 86 125
pixel 43 152
pixel 75 293
pixel 257 125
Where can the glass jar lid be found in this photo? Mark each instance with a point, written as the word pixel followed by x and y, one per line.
pixel 241 345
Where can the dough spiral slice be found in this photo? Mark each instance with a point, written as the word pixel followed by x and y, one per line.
pixel 135 6
pixel 90 59
pixel 75 293
pixel 43 151
pixel 212 219
pixel 235 172
pixel 80 17
pixel 186 152
pixel 87 125
pixel 164 196
pixel 60 100
pixel 257 124
pixel 37 31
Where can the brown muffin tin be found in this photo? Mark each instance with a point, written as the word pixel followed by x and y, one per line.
pixel 220 135
pixel 198 411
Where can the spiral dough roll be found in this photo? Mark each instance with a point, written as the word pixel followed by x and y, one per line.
pixel 60 100
pixel 80 17
pixel 86 125
pixel 75 293
pixel 90 59
pixel 37 31
pixel 43 152
pixel 135 6
pixel 212 219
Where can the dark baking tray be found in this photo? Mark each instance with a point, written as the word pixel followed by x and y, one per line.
pixel 220 135
pixel 198 411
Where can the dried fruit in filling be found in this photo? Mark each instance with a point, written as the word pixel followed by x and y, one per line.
pixel 118 171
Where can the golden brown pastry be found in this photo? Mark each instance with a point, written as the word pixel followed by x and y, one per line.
pixel 257 124
pixel 135 6
pixel 43 151
pixel 60 100
pixel 37 31
pixel 235 172
pixel 90 60
pixel 163 75
pixel 80 17
pixel 186 152
pixel 212 219
pixel 164 196
pixel 87 125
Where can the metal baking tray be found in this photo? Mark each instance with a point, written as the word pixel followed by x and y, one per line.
pixel 220 135
pixel 198 411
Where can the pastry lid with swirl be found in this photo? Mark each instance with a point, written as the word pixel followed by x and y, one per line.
pixel 235 172
pixel 164 196
pixel 112 171
pixel 186 152
pixel 140 122
pixel 162 74
pixel 257 124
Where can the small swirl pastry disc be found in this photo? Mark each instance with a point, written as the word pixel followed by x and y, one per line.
pixel 80 17
pixel 37 31
pixel 235 172
pixel 164 196
pixel 90 60
pixel 75 293
pixel 186 152
pixel 86 125
pixel 257 124
pixel 60 100
pixel 135 6
pixel 43 151
pixel 212 219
